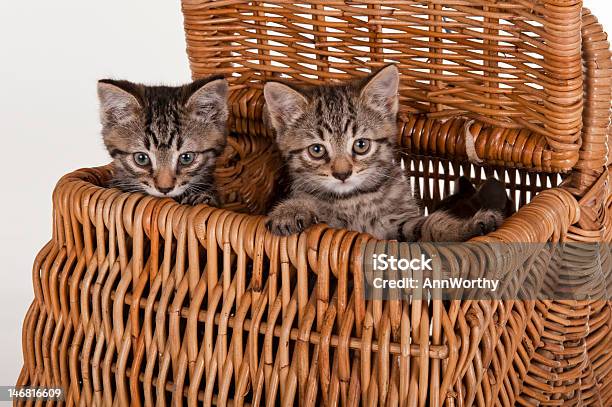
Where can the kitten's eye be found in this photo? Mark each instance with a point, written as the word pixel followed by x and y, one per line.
pixel 142 159
pixel 186 158
pixel 316 151
pixel 361 146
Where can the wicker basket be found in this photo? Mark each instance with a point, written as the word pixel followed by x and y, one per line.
pixel 141 301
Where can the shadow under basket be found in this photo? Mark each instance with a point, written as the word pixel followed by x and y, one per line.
pixel 143 301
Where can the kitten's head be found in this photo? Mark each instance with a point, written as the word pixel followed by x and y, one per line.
pixel 163 140
pixel 337 140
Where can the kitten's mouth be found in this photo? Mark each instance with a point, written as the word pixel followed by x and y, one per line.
pixel 175 192
pixel 342 186
pixel 360 181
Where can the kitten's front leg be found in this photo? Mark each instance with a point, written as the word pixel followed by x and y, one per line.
pixel 292 216
pixel 441 226
pixel 411 229
pixel 208 197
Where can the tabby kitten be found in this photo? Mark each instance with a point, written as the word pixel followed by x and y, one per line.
pixel 340 146
pixel 164 140
pixel 467 213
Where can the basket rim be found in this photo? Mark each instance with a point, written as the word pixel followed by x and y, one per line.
pixel 80 192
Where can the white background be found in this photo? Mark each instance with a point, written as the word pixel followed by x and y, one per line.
pixel 51 54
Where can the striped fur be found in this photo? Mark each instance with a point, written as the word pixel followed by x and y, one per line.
pixel 443 226
pixel 364 192
pixel 171 125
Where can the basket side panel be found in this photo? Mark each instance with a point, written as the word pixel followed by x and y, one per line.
pixel 595 148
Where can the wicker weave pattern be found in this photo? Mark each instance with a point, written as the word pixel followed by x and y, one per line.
pixel 248 174
pixel 595 151
pixel 513 65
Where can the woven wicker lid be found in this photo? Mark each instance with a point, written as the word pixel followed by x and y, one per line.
pixel 515 67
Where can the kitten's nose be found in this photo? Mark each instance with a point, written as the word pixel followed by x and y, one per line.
pixel 164 180
pixel 342 175
pixel 165 190
pixel 341 168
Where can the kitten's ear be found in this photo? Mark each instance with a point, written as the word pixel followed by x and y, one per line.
pixel 464 186
pixel 492 195
pixel 283 103
pixel 207 99
pixel 379 91
pixel 119 101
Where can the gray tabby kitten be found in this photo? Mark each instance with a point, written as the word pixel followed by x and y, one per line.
pixel 340 146
pixel 164 141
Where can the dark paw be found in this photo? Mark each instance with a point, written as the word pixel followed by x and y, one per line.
pixel 485 223
pixel 286 224
pixel 197 199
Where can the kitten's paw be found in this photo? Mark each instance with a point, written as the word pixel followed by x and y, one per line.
pixel 411 229
pixel 485 222
pixel 289 222
pixel 206 198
